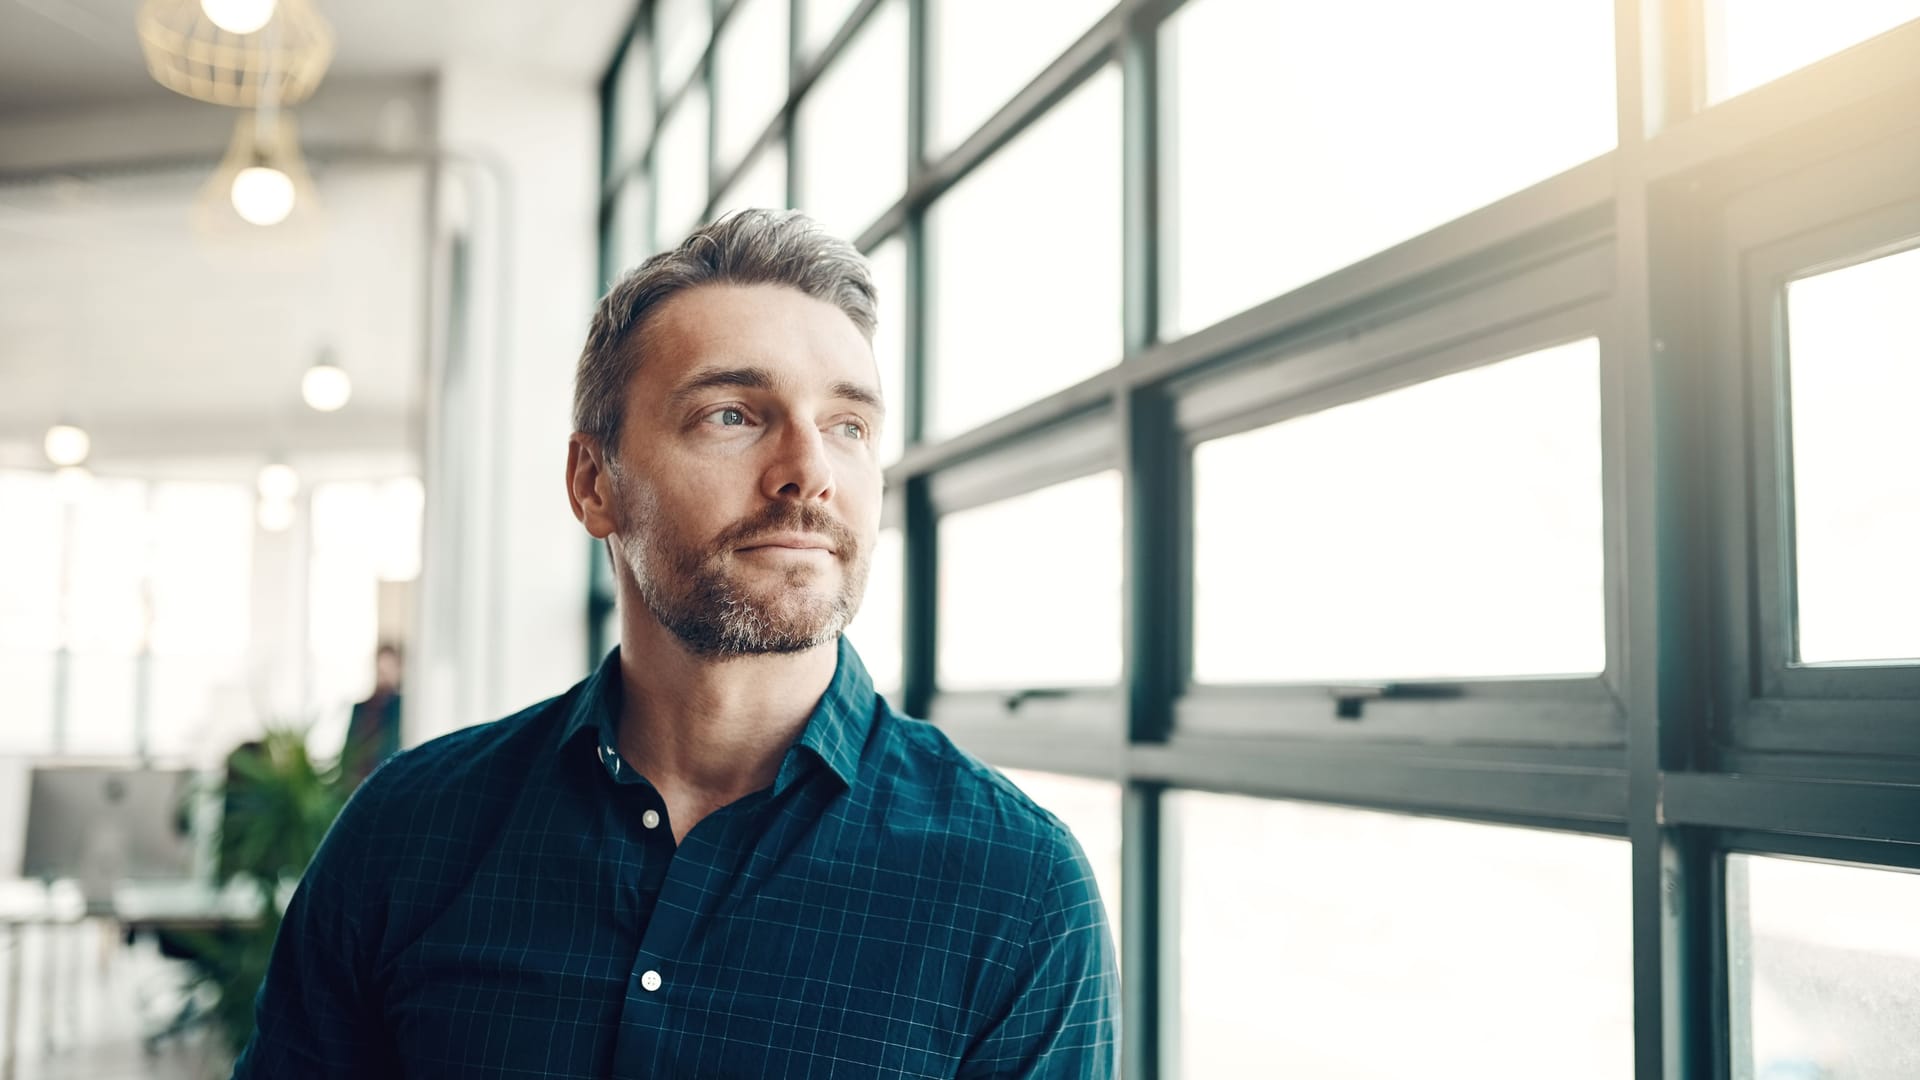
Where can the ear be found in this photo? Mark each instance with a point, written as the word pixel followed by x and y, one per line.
pixel 590 485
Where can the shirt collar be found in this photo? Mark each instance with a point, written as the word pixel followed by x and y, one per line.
pixel 836 733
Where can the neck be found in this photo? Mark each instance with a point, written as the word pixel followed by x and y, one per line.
pixel 710 730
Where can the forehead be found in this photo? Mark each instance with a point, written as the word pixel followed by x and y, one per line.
pixel 804 342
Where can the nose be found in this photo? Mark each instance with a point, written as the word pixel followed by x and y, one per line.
pixel 799 468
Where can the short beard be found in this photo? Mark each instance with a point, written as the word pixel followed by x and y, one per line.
pixel 690 592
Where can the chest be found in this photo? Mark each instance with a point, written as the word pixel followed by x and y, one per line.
pixel 796 942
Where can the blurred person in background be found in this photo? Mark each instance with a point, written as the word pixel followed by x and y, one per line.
pixel 373 732
pixel 722 853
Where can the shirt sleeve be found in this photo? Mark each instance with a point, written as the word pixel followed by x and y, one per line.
pixel 1063 1017
pixel 314 1015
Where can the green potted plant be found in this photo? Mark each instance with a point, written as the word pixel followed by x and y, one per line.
pixel 278 804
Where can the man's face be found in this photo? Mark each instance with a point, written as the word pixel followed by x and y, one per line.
pixel 747 486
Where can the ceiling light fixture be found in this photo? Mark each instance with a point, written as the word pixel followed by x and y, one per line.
pixel 67 444
pixel 199 48
pixel 238 16
pixel 262 195
pixel 326 386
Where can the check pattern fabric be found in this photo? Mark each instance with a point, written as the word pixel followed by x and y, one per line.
pixel 508 901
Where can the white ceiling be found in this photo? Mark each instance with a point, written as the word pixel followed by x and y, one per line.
pixel 116 312
pixel 61 53
pixel 158 338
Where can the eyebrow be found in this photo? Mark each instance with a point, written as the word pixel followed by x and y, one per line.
pixel 759 378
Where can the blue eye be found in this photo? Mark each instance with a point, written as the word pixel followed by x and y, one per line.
pixel 854 430
pixel 729 417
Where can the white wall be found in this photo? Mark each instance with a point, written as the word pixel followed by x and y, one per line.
pixel 505 625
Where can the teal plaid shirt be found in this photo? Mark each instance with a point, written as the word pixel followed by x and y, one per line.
pixel 508 901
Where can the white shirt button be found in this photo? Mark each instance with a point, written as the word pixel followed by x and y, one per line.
pixel 650 981
pixel 651 819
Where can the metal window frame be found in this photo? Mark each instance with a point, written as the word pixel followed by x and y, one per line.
pixel 1846 210
pixel 1679 772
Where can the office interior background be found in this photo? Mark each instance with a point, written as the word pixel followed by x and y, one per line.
pixel 1426 491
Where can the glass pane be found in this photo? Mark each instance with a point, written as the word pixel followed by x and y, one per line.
pixel 877 629
pixel 763 184
pixel 1448 529
pixel 978 65
pixel 26 685
pixel 753 75
pixel 1750 42
pixel 1091 808
pixel 680 169
pixel 1006 572
pixel 100 704
pixel 1307 934
pixel 1007 327
pixel 852 128
pixel 630 240
pixel 201 571
pixel 343 582
pixel 682 27
pixel 632 106
pixel 1854 340
pixel 1306 137
pixel 106 598
pixel 820 20
pixel 30 557
pixel 889 263
pixel 1824 966
pixel 185 693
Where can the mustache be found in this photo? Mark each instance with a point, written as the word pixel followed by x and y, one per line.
pixel 791 517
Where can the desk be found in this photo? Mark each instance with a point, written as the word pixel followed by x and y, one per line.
pixel 24 904
pixel 135 906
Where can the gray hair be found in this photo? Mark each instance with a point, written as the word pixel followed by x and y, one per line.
pixel 750 247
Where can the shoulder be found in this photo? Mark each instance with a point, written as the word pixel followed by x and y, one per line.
pixel 432 800
pixel 955 794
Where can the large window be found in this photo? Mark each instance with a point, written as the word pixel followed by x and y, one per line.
pixel 1423 491
pixel 1304 569
pixel 1301 928
pixel 1006 326
pixel 1307 136
pixel 125 611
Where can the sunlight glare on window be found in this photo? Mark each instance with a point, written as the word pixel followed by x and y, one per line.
pixel 1854 377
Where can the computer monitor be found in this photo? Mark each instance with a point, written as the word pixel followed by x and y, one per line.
pixel 100 825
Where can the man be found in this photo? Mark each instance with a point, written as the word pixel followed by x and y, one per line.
pixel 722 855
pixel 373 728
